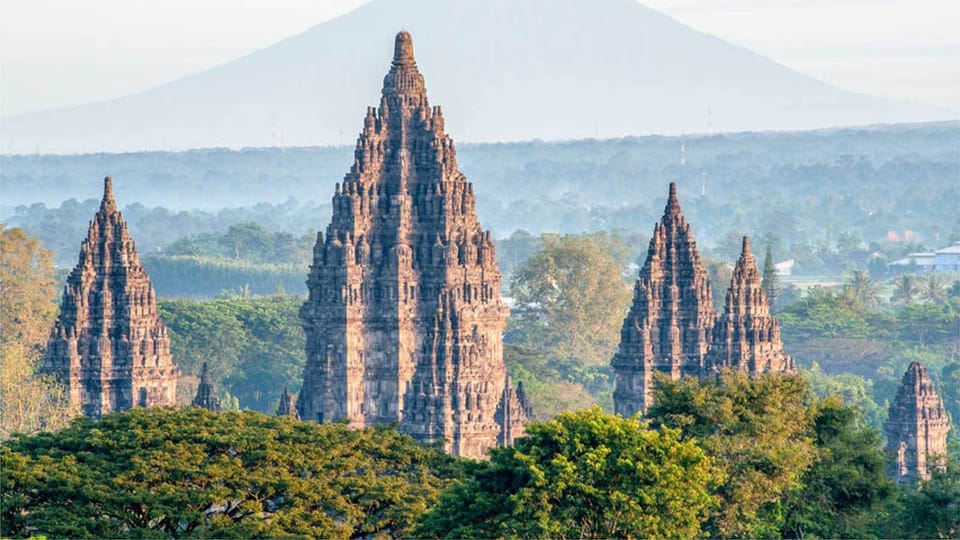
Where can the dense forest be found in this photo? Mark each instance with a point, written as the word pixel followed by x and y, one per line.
pixel 831 199
pixel 736 458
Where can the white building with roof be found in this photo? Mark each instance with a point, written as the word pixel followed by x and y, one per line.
pixel 942 260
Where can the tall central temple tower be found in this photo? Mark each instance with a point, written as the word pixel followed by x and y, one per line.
pixel 404 319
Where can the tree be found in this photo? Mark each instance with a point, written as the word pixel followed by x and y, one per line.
pixel 149 473
pixel 28 288
pixel 862 290
pixel 29 402
pixel 935 290
pixel 845 492
pixel 931 509
pixel 771 280
pixel 253 346
pixel 906 290
pixel 571 297
pixel 584 474
pixel 757 430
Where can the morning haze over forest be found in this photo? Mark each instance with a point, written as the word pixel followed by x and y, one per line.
pixel 615 277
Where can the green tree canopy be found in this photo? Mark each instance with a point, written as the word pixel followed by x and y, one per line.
pixel 845 493
pixel 571 297
pixel 584 474
pixel 163 472
pixel 771 280
pixel 28 402
pixel 757 430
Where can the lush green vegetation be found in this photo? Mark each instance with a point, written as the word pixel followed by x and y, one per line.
pixel 731 457
pixel 253 346
pixel 168 473
pixel 188 276
pixel 29 402
pixel 581 475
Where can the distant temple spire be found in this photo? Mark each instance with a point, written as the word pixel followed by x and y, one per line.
pixel 746 337
pixel 288 404
pixel 108 345
pixel 669 325
pixel 206 396
pixel 917 426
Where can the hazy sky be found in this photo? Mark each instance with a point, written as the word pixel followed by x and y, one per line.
pixel 56 53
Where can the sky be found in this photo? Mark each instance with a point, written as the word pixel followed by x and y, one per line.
pixel 56 54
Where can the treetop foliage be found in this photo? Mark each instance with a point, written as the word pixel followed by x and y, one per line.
pixel 584 474
pixel 162 472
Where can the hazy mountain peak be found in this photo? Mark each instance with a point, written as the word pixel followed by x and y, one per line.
pixel 503 70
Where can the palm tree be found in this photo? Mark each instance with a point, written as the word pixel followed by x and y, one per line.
pixel 906 289
pixel 935 290
pixel 863 289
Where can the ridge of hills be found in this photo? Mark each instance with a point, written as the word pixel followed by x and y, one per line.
pixel 503 70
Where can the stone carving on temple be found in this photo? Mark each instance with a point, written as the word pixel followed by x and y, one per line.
pixel 746 337
pixel 669 326
pixel 108 345
pixel 916 427
pixel 404 318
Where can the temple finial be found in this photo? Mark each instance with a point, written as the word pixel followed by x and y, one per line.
pixel 108 199
pixel 403 49
pixel 673 203
pixel 746 246
pixel 205 374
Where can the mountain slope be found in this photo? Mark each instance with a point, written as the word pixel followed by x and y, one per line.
pixel 502 69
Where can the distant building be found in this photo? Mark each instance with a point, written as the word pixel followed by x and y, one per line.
pixel 942 260
pixel 947 259
pixel 784 268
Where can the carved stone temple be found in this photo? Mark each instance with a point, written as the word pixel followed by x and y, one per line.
pixel 404 318
pixel 288 405
pixel 916 427
pixel 670 323
pixel 108 345
pixel 746 337
pixel 206 396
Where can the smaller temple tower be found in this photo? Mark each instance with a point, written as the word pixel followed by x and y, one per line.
pixel 108 345
pixel 746 337
pixel 288 405
pixel 513 412
pixel 206 396
pixel 917 427
pixel 668 328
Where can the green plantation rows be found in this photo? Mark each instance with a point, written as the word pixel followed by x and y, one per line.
pixel 187 276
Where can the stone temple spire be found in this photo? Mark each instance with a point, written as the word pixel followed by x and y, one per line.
pixel 916 427
pixel 206 396
pixel 404 79
pixel 669 325
pixel 288 405
pixel 747 337
pixel 404 319
pixel 108 345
